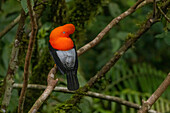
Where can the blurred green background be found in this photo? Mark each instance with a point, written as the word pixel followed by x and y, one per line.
pixel 134 77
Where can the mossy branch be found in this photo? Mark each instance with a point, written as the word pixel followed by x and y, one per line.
pixel 28 56
pixel 13 64
pixel 89 93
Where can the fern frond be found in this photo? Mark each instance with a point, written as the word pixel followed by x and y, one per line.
pixel 134 83
pixel 161 105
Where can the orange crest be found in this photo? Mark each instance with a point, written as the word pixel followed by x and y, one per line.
pixel 59 37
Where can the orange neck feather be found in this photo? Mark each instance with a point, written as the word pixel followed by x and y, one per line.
pixel 62 43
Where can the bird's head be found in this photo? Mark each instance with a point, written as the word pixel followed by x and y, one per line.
pixel 63 31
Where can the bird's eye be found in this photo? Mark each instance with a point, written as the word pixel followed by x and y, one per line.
pixel 64 32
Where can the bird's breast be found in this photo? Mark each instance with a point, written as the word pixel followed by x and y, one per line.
pixel 62 43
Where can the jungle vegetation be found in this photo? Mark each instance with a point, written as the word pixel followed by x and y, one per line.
pixel 136 74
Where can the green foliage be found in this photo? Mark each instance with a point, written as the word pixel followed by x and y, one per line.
pixel 14 101
pixel 1 90
pixel 7 16
pixel 80 15
pixel 133 83
pixel 166 36
pixel 135 97
pixel 25 6
pixel 85 105
pixel 130 79
pixel 114 9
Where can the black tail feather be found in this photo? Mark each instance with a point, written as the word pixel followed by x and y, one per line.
pixel 72 81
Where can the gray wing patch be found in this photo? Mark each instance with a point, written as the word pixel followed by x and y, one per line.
pixel 68 58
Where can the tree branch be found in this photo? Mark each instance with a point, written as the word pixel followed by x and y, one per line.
pixel 13 64
pixel 28 56
pixel 146 2
pixel 154 8
pixel 10 26
pixel 89 93
pixel 51 84
pixel 148 104
pixel 107 28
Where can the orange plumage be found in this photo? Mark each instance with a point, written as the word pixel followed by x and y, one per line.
pixel 59 37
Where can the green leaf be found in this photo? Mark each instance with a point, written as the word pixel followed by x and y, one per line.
pixel 114 9
pixel 122 35
pixel 137 99
pixel 167 38
pixel 130 98
pixel 162 35
pixel 123 107
pixel 8 7
pixel 14 101
pixel 113 107
pixel 85 106
pixel 24 5
pixel 157 105
pixel 162 105
pixel 130 2
pixel 116 44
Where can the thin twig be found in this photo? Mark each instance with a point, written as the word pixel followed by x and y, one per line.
pixel 154 8
pixel 28 56
pixel 41 3
pixel 13 64
pixel 153 98
pixel 166 17
pixel 146 2
pixel 10 26
pixel 89 93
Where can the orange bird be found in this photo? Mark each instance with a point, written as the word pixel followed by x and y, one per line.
pixel 64 53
